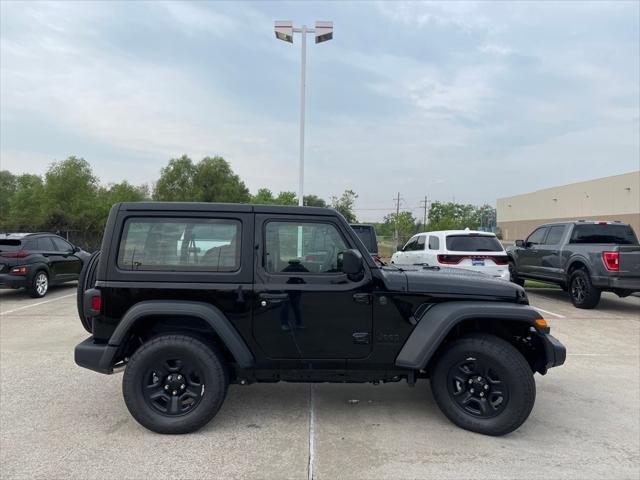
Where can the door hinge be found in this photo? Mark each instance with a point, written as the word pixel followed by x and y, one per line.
pixel 362 298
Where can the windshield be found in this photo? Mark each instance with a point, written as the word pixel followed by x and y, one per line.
pixel 367 235
pixel 473 243
pixel 604 233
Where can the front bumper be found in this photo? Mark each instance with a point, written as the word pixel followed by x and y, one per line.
pixel 555 352
pixel 95 356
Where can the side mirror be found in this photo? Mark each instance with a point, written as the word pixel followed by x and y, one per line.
pixel 520 243
pixel 352 262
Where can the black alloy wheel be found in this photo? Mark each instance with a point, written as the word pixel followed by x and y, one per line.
pixel 582 292
pixel 173 386
pixel 483 383
pixel 476 388
pixel 175 383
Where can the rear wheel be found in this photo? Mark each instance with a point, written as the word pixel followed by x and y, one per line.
pixel 164 384
pixel 582 292
pixel 39 285
pixel 483 384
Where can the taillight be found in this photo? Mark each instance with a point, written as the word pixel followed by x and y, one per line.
pixel 96 303
pixel 450 259
pixel 611 261
pixel 20 254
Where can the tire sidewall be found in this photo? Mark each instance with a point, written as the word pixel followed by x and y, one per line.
pixel 516 374
pixel 208 362
pixel 592 295
pixel 33 289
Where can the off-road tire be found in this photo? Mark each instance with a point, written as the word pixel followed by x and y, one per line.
pixel 506 362
pixel 86 281
pixel 582 292
pixel 215 379
pixel 35 290
pixel 513 275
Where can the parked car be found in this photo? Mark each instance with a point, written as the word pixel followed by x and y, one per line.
pixel 272 302
pixel 466 249
pixel 35 261
pixel 367 234
pixel 585 258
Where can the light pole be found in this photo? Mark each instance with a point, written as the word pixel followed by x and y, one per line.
pixel 284 31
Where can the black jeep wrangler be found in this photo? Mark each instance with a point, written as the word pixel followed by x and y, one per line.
pixel 190 297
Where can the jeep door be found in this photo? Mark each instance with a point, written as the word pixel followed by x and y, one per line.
pixel 307 308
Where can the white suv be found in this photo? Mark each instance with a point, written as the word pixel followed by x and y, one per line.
pixel 468 249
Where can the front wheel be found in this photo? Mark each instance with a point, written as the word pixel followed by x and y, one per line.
pixel 164 384
pixel 582 292
pixel 483 384
pixel 513 275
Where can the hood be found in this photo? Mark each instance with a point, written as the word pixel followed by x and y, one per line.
pixel 454 281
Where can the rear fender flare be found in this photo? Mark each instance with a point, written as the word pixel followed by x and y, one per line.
pixel 204 311
pixel 437 322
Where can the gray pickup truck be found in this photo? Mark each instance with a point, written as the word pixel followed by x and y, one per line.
pixel 584 258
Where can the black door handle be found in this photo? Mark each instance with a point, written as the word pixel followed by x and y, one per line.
pixel 274 297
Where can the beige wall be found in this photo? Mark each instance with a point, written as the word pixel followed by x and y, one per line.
pixel 609 198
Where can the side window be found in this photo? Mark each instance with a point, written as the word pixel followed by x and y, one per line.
pixel 61 245
pixel 410 245
pixel 44 244
pixel 434 242
pixel 536 237
pixel 555 235
pixel 421 242
pixel 194 244
pixel 302 248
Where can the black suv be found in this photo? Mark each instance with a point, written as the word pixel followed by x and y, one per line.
pixel 36 260
pixel 185 296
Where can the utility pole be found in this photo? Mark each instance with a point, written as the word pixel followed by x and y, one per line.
pixel 425 204
pixel 397 200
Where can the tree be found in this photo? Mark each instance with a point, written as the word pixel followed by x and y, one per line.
pixel 210 180
pixel 263 197
pixel 7 189
pixel 344 205
pixel 456 216
pixel 214 181
pixel 314 201
pixel 404 222
pixel 286 198
pixel 27 204
pixel 70 192
pixel 176 182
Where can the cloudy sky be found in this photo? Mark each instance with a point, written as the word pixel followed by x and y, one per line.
pixel 471 101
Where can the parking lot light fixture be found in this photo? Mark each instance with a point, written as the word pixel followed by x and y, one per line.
pixel 284 31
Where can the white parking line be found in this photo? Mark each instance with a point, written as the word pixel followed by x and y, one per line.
pixel 312 428
pixel 36 304
pixel 550 313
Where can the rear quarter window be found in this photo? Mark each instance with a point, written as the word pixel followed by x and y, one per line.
pixel 604 233
pixel 473 243
pixel 180 245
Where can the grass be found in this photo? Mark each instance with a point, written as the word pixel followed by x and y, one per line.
pixel 536 284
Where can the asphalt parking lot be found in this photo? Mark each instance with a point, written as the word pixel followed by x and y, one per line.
pixel 61 421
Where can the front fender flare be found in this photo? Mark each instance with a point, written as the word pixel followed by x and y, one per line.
pixel 204 311
pixel 437 322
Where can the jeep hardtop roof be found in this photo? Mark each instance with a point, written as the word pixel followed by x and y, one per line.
pixel 225 207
